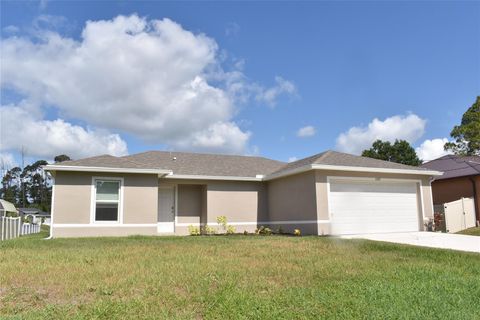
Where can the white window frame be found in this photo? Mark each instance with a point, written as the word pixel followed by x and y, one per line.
pixel 94 201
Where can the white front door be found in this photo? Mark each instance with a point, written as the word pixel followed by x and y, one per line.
pixel 358 206
pixel 166 209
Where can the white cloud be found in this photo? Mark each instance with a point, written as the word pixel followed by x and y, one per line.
pixel 357 139
pixel 20 127
pixel 11 29
pixel 270 95
pixel 221 135
pixel 432 149
pixel 149 78
pixel 7 161
pixel 292 159
pixel 307 131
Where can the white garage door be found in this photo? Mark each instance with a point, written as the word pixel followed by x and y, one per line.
pixel 360 206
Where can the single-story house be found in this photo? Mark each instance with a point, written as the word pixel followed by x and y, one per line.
pixel 461 179
pixel 160 192
pixel 35 215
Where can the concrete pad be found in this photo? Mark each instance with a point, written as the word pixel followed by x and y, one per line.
pixel 425 239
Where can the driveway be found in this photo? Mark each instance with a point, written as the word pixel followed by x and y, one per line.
pixel 426 239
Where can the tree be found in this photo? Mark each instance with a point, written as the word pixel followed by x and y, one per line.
pixel 36 185
pixel 467 134
pixel 30 187
pixel 400 152
pixel 11 190
pixel 61 158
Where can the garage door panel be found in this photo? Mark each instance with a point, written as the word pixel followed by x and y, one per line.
pixel 363 207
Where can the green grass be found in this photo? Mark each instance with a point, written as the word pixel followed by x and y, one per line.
pixel 234 277
pixel 471 231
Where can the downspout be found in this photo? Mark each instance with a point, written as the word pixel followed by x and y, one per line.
pixel 52 203
pixel 475 201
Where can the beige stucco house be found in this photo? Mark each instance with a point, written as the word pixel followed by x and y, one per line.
pixel 163 193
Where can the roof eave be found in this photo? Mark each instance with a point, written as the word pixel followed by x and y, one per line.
pixel 377 170
pixel 208 177
pixel 352 169
pixel 53 168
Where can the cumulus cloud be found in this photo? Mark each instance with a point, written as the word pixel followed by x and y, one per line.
pixel 218 136
pixel 432 149
pixel 292 159
pixel 20 127
pixel 307 131
pixel 150 78
pixel 410 128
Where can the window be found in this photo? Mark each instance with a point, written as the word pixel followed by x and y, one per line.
pixel 107 200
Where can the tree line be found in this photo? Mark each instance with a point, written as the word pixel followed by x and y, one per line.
pixel 29 187
pixel 466 141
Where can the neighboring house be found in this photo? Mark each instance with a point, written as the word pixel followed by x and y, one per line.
pixel 6 208
pixel 35 215
pixel 461 179
pixel 160 192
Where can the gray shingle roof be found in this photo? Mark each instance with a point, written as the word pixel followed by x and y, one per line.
pixel 105 161
pixel 186 163
pixel 455 166
pixel 335 158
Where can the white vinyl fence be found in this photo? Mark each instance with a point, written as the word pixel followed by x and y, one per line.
pixel 29 228
pixel 459 215
pixel 11 228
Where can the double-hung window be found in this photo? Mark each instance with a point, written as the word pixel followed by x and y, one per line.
pixel 107 204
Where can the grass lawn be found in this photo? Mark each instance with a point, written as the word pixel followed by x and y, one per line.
pixel 471 231
pixel 234 277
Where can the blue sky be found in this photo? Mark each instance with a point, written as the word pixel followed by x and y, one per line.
pixel 413 66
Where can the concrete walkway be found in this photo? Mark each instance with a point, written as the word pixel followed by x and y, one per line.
pixel 426 239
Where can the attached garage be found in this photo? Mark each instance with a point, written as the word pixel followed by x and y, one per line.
pixel 373 206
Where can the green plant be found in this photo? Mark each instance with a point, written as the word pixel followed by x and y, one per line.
pixel 231 229
pixel 280 230
pixel 245 232
pixel 193 231
pixel 263 231
pixel 297 232
pixel 222 220
pixel 209 230
pixel 10 214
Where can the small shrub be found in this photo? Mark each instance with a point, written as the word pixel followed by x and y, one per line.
pixel 280 230
pixel 222 220
pixel 263 231
pixel 193 231
pixel 209 230
pixel 231 229
pixel 297 232
pixel 245 232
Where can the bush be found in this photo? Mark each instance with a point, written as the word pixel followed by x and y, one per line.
pixel 263 231
pixel 209 230
pixel 231 229
pixel 194 231
pixel 222 220
pixel 245 232
pixel 280 230
pixel 297 232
